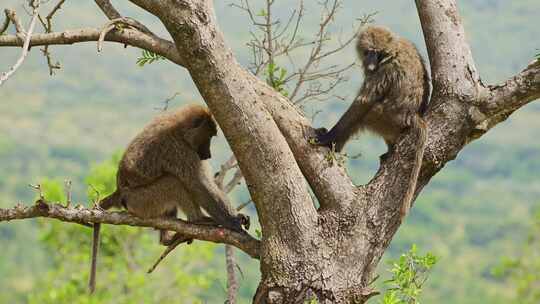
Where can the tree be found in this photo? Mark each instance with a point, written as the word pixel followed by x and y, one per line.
pixel 330 251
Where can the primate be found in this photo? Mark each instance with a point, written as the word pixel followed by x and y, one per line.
pixel 393 97
pixel 164 168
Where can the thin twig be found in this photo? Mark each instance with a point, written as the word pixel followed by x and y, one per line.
pixel 47 25
pixel 237 177
pixel 16 21
pixel 68 193
pixel 244 204
pixel 5 25
pixel 225 167
pixel 108 9
pixel 232 281
pixel 26 44
pixel 39 190
pixel 168 250
pixel 166 102
pixel 273 41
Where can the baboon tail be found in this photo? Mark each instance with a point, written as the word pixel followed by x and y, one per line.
pixel 421 129
pixel 93 265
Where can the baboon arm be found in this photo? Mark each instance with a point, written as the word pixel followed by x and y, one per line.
pixel 203 191
pixel 370 94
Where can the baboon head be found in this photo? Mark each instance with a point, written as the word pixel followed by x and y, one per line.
pixel 200 131
pixel 376 46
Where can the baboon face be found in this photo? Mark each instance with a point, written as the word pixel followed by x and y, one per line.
pixel 200 135
pixel 374 47
pixel 204 150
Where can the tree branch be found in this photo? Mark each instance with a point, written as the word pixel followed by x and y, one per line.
pixel 513 93
pixel 47 25
pixel 284 205
pixel 11 15
pixel 127 36
pixel 497 102
pixel 80 214
pixel 453 70
pixel 5 25
pixel 330 183
pixel 108 9
pixel 232 282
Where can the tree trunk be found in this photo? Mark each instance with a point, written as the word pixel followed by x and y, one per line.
pixel 329 252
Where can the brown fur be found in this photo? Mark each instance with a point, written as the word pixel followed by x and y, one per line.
pixel 164 168
pixel 393 97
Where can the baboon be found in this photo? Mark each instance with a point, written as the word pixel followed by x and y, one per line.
pixel 393 98
pixel 164 168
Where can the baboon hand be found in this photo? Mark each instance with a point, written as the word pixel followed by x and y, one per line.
pixel 244 221
pixel 322 138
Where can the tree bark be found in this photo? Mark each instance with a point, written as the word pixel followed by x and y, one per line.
pixel 331 251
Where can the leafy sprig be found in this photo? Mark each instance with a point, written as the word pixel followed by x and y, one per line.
pixel 148 57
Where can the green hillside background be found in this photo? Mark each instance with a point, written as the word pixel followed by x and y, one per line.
pixel 472 214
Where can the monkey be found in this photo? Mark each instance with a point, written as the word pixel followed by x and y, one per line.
pixel 393 97
pixel 165 168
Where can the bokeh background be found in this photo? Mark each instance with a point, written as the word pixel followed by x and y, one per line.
pixel 475 215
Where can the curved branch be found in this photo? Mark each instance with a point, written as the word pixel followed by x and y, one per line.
pixel 80 215
pixel 126 36
pixel 513 93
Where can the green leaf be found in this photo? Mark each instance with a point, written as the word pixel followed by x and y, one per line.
pixel 53 190
pixel 409 273
pixel 148 57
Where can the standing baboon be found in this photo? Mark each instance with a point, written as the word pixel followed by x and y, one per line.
pixel 393 97
pixel 164 168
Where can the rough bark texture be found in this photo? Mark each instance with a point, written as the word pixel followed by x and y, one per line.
pixel 332 251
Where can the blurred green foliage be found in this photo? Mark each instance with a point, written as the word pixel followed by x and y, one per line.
pixel 57 128
pixel 125 255
pixel 523 272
